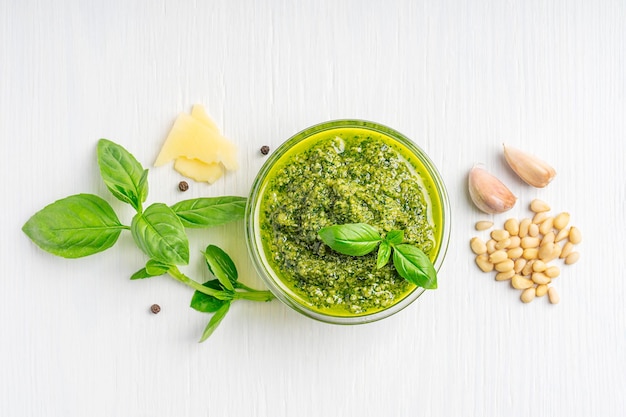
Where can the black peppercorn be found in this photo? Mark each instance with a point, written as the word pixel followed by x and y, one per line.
pixel 265 150
pixel 155 308
pixel 183 186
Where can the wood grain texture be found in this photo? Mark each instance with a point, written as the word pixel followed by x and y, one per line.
pixel 458 77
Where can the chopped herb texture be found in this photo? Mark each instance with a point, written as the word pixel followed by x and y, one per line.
pixel 346 176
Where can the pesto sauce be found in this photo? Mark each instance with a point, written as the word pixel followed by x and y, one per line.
pixel 346 175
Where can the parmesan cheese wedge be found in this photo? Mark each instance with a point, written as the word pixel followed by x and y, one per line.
pixel 194 168
pixel 193 139
pixel 198 170
pixel 198 113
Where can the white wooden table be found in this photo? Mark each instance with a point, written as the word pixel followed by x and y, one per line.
pixel 458 77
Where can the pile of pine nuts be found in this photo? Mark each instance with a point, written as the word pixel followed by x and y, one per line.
pixel 522 251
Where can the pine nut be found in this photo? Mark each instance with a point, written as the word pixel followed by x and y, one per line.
pixel 498 256
pixel 515 253
pixel 540 278
pixel 572 258
pixel 491 246
pixel 528 268
pixel 541 290
pixel 553 295
pixel 574 235
pixel 483 225
pixel 567 249
pixel 563 233
pixel 478 246
pixel 549 252
pixel 483 263
pixel 529 242
pixel 522 249
pixel 504 266
pixel 544 251
pixel 523 227
pixel 561 220
pixel 538 206
pixel 539 266
pixel 548 238
pixel 530 253
pixel 546 226
pixel 552 272
pixel 503 244
pixel 499 235
pixel 528 295
pixel 512 226
pixel 520 283
pixel 540 217
pixel 504 276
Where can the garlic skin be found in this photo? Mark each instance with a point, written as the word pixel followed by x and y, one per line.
pixel 488 193
pixel 532 170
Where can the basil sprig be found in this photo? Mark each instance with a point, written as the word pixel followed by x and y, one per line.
pixel 85 224
pixel 358 239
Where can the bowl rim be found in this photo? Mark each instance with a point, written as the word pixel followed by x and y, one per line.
pixel 254 241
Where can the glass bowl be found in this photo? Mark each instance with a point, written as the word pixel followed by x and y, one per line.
pixel 264 242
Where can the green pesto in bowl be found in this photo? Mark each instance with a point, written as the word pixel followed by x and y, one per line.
pixel 336 173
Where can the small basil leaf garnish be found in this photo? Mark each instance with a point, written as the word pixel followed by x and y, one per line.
pixel 395 237
pixel 354 239
pixel 357 239
pixel 384 253
pixel 414 265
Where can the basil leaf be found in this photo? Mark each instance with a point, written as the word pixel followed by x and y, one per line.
pixel 206 303
pixel 215 321
pixel 122 174
pixel 210 211
pixel 384 253
pixel 395 237
pixel 75 226
pixel 141 274
pixel 156 267
pixel 355 239
pixel 160 234
pixel 414 265
pixel 222 266
pixel 153 268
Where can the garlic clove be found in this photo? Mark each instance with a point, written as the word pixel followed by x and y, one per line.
pixel 488 193
pixel 529 168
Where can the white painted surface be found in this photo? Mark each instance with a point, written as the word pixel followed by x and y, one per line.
pixel 458 77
